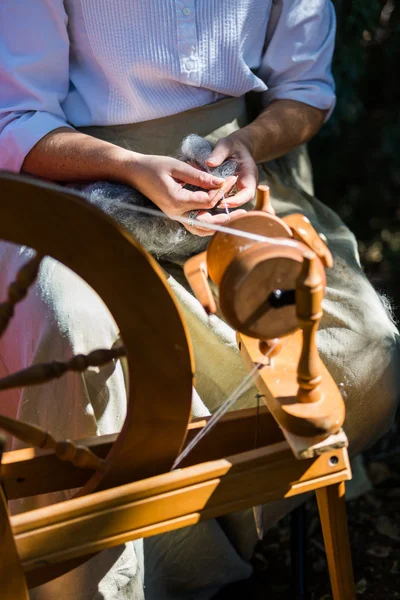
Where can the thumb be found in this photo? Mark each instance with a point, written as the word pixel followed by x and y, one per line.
pixel 221 152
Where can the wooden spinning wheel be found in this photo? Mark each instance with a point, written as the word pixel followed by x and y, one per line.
pixel 152 338
pixel 56 219
pixel 44 543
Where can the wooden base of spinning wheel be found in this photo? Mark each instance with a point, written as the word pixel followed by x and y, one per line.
pixel 47 538
pixel 225 473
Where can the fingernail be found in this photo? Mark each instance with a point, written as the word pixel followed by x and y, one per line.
pixel 217 181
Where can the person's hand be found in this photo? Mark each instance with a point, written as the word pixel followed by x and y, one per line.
pixel 237 146
pixel 162 180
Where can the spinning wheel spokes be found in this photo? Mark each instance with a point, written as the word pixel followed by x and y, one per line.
pixel 18 289
pixel 43 373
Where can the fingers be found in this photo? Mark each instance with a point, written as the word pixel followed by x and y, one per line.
pixel 195 229
pixel 246 185
pixel 248 173
pixel 224 190
pixel 186 200
pixel 242 196
pixel 221 152
pixel 206 217
pixel 214 187
pixel 188 174
pixel 221 218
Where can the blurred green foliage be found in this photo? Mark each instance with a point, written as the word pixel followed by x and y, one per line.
pixel 356 155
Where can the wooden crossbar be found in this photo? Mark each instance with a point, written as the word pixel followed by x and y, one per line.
pixel 28 472
pixel 66 530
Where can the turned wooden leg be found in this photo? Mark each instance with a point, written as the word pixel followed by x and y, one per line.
pixel 12 578
pixel 332 512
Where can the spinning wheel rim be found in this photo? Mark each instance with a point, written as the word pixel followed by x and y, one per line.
pixel 156 339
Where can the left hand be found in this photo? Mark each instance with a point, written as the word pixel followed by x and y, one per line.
pixel 237 146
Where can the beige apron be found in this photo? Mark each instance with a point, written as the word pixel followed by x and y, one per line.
pixel 63 316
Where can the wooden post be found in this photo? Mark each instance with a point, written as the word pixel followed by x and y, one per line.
pixel 332 512
pixel 263 201
pixel 12 578
pixel 309 294
pixel 196 272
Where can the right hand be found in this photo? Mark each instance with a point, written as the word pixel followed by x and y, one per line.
pixel 162 180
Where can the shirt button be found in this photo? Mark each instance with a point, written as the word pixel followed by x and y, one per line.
pixel 189 65
pixel 186 11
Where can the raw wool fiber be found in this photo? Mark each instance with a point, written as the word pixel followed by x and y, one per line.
pixel 163 238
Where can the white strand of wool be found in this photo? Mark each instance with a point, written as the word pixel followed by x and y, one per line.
pixel 245 385
pixel 213 227
pixel 241 389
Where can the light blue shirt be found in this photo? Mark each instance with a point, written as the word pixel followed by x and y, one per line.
pixel 106 62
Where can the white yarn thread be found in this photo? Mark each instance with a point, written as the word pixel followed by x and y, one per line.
pixel 225 406
pixel 213 227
